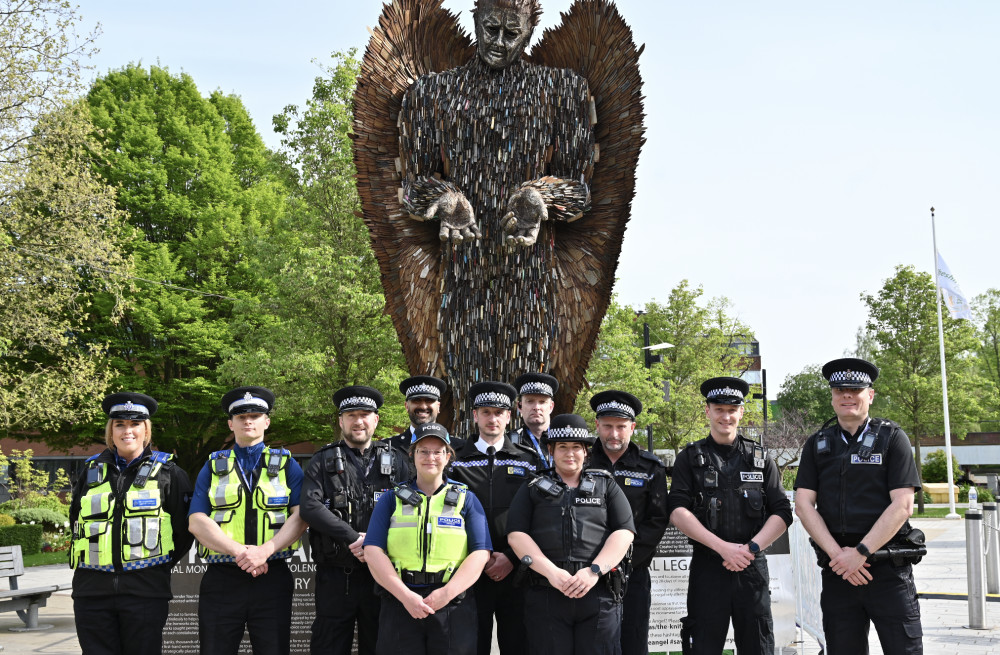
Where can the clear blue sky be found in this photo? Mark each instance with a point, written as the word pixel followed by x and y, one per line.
pixel 794 148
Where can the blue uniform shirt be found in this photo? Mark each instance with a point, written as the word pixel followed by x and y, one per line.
pixel 251 455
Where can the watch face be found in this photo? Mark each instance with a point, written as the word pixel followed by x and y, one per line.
pixel 754 548
pixel 596 568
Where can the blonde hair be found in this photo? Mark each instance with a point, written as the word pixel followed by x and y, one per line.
pixel 110 442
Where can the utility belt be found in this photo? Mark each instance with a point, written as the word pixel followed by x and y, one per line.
pixel 615 580
pixel 421 578
pixel 908 547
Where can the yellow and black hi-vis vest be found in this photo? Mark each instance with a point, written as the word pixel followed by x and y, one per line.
pixel 235 506
pixel 133 532
pixel 427 541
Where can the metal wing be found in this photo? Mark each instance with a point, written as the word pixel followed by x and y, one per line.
pixel 413 37
pixel 594 40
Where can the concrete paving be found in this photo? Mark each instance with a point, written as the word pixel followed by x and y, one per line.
pixel 942 571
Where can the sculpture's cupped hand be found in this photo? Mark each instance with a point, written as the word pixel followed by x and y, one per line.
pixel 525 212
pixel 458 221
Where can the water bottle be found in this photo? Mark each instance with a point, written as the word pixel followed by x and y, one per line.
pixel 973 497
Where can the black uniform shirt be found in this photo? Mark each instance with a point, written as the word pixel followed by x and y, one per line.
pixel 643 478
pixel 495 480
pixel 852 492
pixel 154 581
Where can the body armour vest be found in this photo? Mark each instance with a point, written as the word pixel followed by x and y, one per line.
pixel 249 516
pixel 573 525
pixel 429 537
pixel 730 497
pixel 131 531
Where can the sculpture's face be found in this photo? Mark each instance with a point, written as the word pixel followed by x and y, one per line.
pixel 502 35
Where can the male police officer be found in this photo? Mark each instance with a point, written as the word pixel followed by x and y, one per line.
pixel 245 515
pixel 535 402
pixel 342 483
pixel 494 469
pixel 726 496
pixel 423 402
pixel 643 478
pixel 859 471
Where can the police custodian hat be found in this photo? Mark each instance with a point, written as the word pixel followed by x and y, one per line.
pixel 536 383
pixel 850 373
pixel 492 394
pixel 568 427
pixel 357 397
pixel 422 386
pixel 725 390
pixel 616 403
pixel 431 430
pixel 129 405
pixel 245 400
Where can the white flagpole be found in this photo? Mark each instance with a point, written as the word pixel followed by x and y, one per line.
pixel 952 514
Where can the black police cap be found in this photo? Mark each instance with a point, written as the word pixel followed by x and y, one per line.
pixel 725 390
pixel 357 397
pixel 616 403
pixel 246 400
pixel 541 384
pixel 492 394
pixel 422 386
pixel 431 430
pixel 850 373
pixel 568 427
pixel 129 405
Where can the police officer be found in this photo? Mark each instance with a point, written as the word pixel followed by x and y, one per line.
pixel 494 468
pixel 423 403
pixel 342 483
pixel 572 527
pixel 426 544
pixel 245 515
pixel 129 518
pixel 536 394
pixel 643 478
pixel 854 494
pixel 726 496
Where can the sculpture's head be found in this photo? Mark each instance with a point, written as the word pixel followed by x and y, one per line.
pixel 503 29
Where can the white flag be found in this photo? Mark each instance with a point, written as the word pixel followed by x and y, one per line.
pixel 952 294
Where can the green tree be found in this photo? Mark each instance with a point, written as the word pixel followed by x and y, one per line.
pixel 807 393
pixel 325 326
pixel 986 316
pixel 59 226
pixel 902 318
pixel 935 469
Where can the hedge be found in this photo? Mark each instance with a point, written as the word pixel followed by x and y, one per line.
pixel 28 537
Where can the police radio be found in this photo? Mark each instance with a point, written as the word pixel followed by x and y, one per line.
pixel 338 461
pixel 587 486
pixel 408 496
pixel 867 444
pixel 451 496
pixel 547 486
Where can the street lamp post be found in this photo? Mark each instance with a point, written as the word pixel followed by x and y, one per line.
pixel 649 359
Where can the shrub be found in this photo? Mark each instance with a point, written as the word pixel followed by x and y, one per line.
pixel 53 521
pixel 6 519
pixel 933 468
pixel 28 537
pixel 37 500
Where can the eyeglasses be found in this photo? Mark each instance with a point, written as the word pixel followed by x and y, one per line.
pixel 437 454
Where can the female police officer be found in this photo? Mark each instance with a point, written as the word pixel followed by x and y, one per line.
pixel 129 517
pixel 427 543
pixel 572 529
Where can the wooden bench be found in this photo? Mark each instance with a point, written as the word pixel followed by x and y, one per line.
pixel 23 601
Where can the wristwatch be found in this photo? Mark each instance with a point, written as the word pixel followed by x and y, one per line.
pixel 596 568
pixel 863 549
pixel 754 548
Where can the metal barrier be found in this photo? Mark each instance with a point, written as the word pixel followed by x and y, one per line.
pixel 991 547
pixel 974 568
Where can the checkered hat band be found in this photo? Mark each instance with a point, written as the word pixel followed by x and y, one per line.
pixel 569 433
pixel 358 401
pixel 130 407
pixel 615 406
pixel 851 376
pixel 423 390
pixel 537 387
pixel 492 398
pixel 725 391
pixel 244 402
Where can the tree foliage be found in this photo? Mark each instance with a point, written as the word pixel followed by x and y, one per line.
pixel 30 487
pixel 935 469
pixel 986 317
pixel 807 394
pixel 59 226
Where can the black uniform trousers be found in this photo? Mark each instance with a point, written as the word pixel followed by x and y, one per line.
pixel 232 600
pixel 507 602
pixel 635 613
pixel 343 597
pixel 716 596
pixel 449 631
pixel 889 601
pixel 120 625
pixel 573 626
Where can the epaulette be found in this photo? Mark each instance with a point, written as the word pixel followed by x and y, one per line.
pixel 219 454
pixel 91 458
pixel 455 483
pixel 645 454
pixel 328 447
pixel 160 457
pixel 602 472
pixel 525 449
pixel 280 451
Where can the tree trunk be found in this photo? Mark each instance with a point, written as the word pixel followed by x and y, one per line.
pixel 920 474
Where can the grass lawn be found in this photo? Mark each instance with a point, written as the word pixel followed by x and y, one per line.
pixel 936 512
pixel 41 559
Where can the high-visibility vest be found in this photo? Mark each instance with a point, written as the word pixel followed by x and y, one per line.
pixel 233 507
pixel 133 532
pixel 429 538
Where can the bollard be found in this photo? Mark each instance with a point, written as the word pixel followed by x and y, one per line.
pixel 991 548
pixel 974 569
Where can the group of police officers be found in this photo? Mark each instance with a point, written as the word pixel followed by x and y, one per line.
pixel 544 531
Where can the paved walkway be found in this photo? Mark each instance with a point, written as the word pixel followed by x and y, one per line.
pixel 942 571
